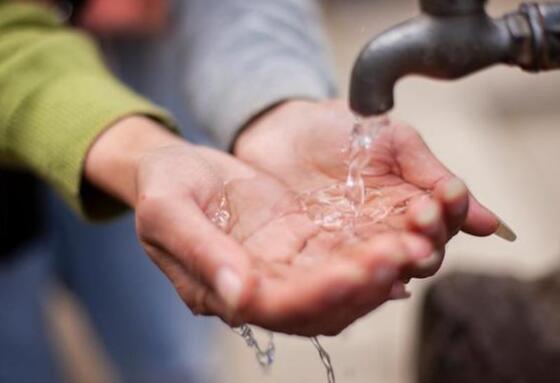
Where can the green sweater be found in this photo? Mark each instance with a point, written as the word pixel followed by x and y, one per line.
pixel 56 97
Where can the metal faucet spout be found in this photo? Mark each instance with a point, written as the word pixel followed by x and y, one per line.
pixel 450 40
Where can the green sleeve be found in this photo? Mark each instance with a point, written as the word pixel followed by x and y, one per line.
pixel 56 97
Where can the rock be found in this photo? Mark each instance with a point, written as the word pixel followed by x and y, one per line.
pixel 490 329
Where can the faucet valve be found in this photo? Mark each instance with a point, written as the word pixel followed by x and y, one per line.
pixel 535 32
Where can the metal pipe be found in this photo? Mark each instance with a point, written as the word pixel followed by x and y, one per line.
pixel 452 39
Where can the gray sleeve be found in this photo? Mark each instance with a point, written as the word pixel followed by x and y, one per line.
pixel 243 56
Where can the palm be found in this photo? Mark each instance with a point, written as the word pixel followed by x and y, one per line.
pixel 297 277
pixel 305 273
pixel 312 154
pixel 289 249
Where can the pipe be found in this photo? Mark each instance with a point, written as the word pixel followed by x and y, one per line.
pixel 452 39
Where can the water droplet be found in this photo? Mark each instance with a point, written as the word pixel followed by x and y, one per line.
pixel 325 359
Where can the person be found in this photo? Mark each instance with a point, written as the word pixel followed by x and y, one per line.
pixel 173 185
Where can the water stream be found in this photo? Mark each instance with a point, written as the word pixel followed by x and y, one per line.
pixel 343 205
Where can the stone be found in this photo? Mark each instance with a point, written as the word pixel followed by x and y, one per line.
pixel 490 329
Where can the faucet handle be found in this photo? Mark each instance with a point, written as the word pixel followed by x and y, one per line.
pixel 535 32
pixel 546 25
pixel 452 7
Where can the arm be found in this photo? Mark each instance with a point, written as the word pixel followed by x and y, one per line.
pixel 56 97
pixel 245 56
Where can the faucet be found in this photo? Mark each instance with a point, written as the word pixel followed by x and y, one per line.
pixel 452 39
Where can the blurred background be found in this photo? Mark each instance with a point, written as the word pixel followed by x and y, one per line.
pixel 498 130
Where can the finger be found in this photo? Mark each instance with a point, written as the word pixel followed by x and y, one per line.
pixel 339 319
pixel 427 261
pixel 202 249
pixel 453 195
pixel 480 221
pixel 325 305
pixel 364 272
pixel 197 296
pixel 290 303
pixel 418 246
pixel 421 167
pixel 399 292
pixel 414 254
pixel 425 217
pixel 384 257
pixel 426 267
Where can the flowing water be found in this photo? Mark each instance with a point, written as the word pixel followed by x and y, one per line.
pixel 343 205
pixel 265 356
pixel 325 359
pixel 337 207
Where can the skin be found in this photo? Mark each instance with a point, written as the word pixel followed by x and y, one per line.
pixel 272 266
pixel 302 143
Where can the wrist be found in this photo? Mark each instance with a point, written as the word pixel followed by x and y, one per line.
pixel 255 122
pixel 279 116
pixel 113 159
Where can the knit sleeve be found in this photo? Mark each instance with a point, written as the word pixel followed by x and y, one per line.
pixel 56 98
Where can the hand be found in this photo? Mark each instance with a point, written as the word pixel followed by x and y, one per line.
pixel 302 144
pixel 271 266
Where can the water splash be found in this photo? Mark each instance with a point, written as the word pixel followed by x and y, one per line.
pixel 325 359
pixel 363 135
pixel 265 356
pixel 222 216
pixel 344 205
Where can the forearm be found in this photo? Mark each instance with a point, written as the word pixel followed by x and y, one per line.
pixel 56 98
pixel 244 57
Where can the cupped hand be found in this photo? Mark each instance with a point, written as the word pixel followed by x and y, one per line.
pixel 304 144
pixel 268 264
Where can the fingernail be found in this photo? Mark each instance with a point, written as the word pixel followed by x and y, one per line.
pixel 428 215
pixel 454 189
pixel 429 262
pixel 505 232
pixel 229 287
